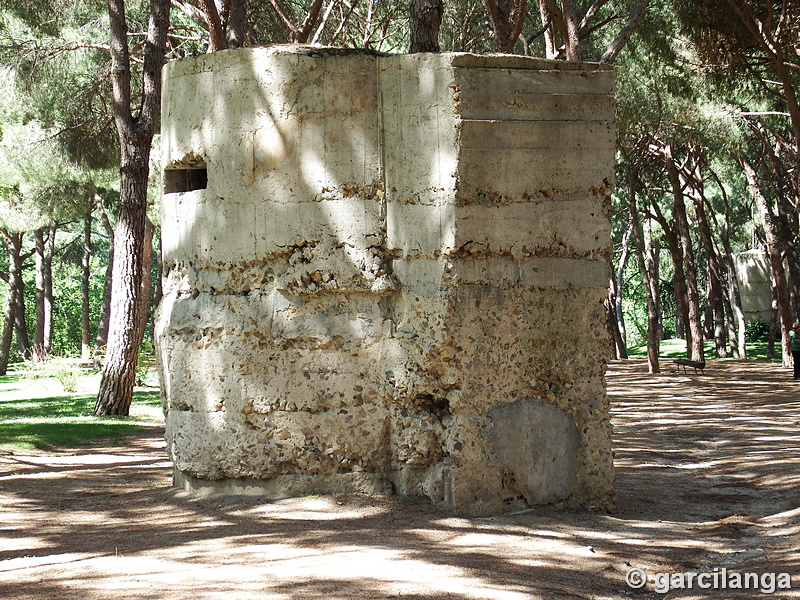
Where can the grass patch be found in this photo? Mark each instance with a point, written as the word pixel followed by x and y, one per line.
pixel 11 378
pixel 676 348
pixel 33 417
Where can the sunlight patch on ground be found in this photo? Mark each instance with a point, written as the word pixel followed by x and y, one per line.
pixel 13 544
pixel 381 570
pixel 313 509
pixel 50 560
pixel 41 475
pixel 78 460
pixel 529 545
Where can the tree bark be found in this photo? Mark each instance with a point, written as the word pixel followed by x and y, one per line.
pixel 648 270
pixel 158 290
pixel 736 330
pixel 147 267
pixel 426 18
pixel 128 301
pixel 44 252
pixel 38 352
pixel 299 34
pixel 508 18
pixel 237 24
pixel 50 251
pixel 550 44
pixel 16 262
pixel 715 289
pixel 617 344
pixel 781 287
pixel 13 243
pixel 679 277
pixel 694 331
pixel 135 136
pixel 619 42
pixel 86 334
pixel 216 33
pixel 101 340
pixel 774 324
pixel 8 329
pixel 573 39
pixel 623 259
pixel 785 230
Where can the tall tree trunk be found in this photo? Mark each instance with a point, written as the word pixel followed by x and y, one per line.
pixel 648 270
pixel 786 229
pixel 612 325
pixel 740 349
pixel 39 303
pixel 774 324
pixel 733 308
pixel 573 38
pixel 786 239
pixel 237 24
pixel 147 264
pixel 775 258
pixel 86 334
pixel 678 279
pixel 507 18
pixel 715 290
pixel 16 261
pixel 50 250
pixel 9 312
pixel 550 43
pixel 101 340
pixel 8 329
pixel 127 320
pixel 158 290
pixel 694 337
pixel 216 32
pixel 620 317
pixel 128 307
pixel 426 18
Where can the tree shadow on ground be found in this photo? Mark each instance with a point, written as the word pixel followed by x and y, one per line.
pixel 707 478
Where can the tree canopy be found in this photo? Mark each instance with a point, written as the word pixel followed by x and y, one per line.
pixel 708 139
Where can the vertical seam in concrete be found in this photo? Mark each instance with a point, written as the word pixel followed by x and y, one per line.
pixel 382 146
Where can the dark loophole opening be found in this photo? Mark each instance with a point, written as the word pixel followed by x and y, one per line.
pixel 185 180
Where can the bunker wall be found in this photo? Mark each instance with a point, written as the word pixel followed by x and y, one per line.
pixel 392 279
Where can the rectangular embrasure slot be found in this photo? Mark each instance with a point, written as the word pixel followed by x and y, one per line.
pixel 185 180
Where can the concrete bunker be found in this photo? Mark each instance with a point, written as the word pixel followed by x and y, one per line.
pixel 392 279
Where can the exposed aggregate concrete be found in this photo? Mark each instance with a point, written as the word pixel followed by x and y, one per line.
pixel 393 279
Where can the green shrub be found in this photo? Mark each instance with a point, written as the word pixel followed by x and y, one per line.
pixel 758 331
pixel 67 376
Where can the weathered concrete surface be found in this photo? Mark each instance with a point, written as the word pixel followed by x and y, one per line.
pixel 392 279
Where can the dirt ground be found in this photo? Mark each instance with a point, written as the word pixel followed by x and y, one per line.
pixel 708 470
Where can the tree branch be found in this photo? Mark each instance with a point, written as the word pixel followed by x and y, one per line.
pixel 633 20
pixel 120 66
pixel 216 34
pixel 155 50
pixel 573 39
pixel 284 18
pixel 311 19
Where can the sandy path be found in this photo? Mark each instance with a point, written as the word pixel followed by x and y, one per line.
pixel 708 478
